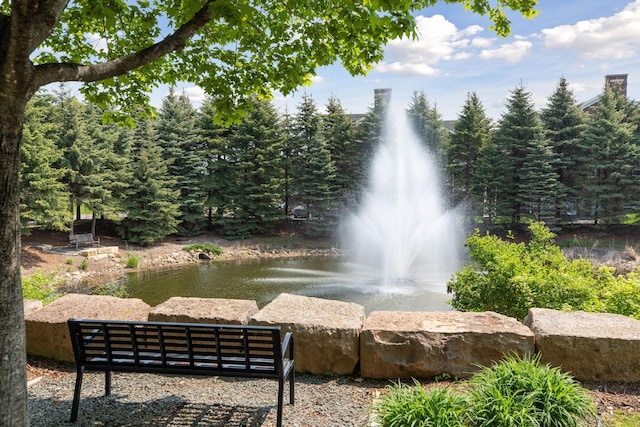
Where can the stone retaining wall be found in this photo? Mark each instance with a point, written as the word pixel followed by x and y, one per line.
pixel 333 337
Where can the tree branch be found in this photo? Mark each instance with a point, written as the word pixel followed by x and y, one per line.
pixel 65 72
pixel 45 19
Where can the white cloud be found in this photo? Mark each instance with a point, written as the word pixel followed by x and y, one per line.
pixel 616 36
pixel 511 52
pixel 438 40
pixel 317 79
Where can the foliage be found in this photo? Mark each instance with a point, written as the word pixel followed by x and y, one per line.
pixel 207 248
pixel 132 261
pixel 509 278
pixel 84 264
pixel 42 286
pixel 515 392
pixel 414 406
pixel 523 392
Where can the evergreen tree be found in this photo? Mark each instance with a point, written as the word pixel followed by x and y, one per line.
pixel 44 199
pixel 610 179
pixel 256 145
pixel 339 133
pixel 369 133
pixel 471 134
pixel 151 211
pixel 563 123
pixel 427 124
pixel 218 179
pixel 517 139
pixel 314 171
pixel 176 130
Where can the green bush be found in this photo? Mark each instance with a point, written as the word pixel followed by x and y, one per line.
pixel 41 286
pixel 524 392
pixel 513 393
pixel 509 278
pixel 207 248
pixel 414 406
pixel 84 265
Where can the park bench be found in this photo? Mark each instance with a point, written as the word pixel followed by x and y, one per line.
pixel 181 348
pixel 83 239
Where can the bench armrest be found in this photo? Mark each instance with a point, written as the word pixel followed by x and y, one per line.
pixel 287 345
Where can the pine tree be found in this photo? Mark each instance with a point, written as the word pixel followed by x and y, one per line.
pixel 256 144
pixel 472 132
pixel 151 213
pixel 427 124
pixel 339 133
pixel 610 176
pixel 314 171
pixel 517 139
pixel 44 199
pixel 367 140
pixel 563 123
pixel 218 180
pixel 176 130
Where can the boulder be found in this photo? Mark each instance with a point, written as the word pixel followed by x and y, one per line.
pixel 205 310
pixel 31 305
pixel 47 331
pixel 589 346
pixel 427 344
pixel 325 332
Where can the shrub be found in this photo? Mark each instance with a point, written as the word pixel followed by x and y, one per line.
pixel 207 248
pixel 519 392
pixel 41 286
pixel 414 406
pixel 509 278
pixel 84 264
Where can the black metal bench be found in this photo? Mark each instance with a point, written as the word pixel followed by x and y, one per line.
pixel 181 348
pixel 83 239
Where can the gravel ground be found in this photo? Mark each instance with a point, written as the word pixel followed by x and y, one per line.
pixel 164 400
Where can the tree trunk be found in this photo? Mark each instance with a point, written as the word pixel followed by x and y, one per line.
pixel 13 358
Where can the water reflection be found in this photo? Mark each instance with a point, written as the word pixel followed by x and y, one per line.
pixel 264 279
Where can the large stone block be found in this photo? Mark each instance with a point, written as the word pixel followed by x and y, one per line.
pixel 325 332
pixel 589 346
pixel 47 330
pixel 427 344
pixel 205 310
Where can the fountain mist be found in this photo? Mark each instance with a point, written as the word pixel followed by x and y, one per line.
pixel 402 229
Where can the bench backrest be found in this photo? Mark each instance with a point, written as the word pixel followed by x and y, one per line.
pixel 177 347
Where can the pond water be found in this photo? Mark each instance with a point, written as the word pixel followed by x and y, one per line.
pixel 263 280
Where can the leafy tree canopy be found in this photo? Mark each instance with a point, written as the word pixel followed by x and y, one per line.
pixel 232 48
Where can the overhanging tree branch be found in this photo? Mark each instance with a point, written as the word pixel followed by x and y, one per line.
pixel 66 72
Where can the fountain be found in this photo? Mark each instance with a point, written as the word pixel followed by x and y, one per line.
pixel 404 246
pixel 402 230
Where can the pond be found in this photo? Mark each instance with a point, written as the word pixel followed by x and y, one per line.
pixel 264 279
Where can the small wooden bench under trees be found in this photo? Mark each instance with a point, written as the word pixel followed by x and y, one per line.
pixel 181 348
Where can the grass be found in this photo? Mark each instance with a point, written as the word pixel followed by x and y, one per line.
pixel 620 419
pixel 132 261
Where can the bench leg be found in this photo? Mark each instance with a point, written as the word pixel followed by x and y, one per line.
pixel 292 380
pixel 280 400
pixel 76 395
pixel 107 383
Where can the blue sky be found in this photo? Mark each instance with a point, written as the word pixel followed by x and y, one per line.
pixel 581 40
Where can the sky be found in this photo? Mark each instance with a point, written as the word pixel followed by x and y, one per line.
pixel 456 53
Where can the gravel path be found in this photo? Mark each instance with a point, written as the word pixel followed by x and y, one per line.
pixel 164 400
